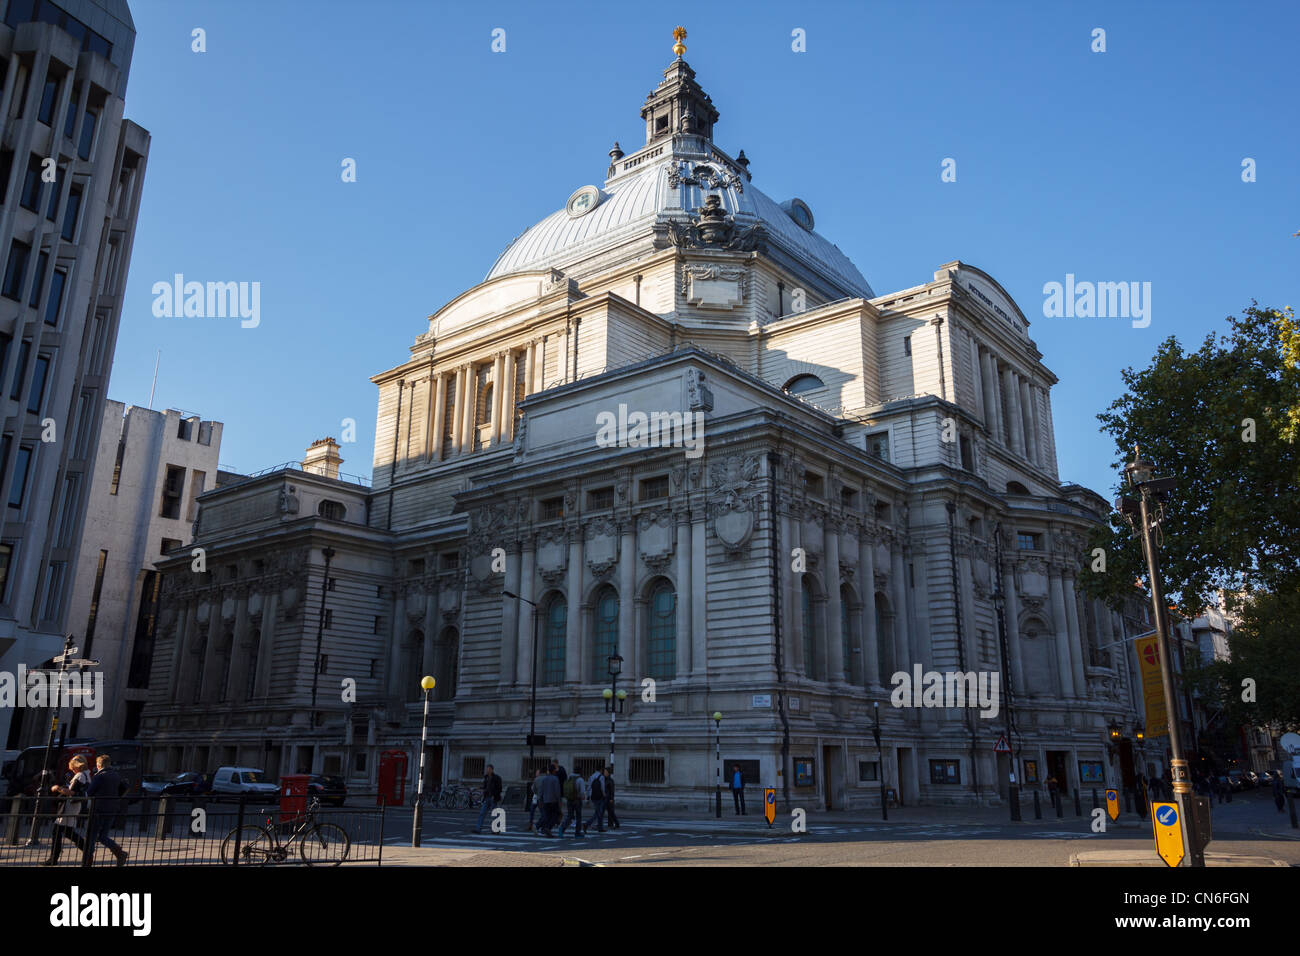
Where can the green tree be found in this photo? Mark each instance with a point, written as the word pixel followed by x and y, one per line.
pixel 1221 421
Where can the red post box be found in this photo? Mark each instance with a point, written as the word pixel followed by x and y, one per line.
pixel 293 796
pixel 392 778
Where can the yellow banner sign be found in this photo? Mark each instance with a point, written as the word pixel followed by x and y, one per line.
pixel 1148 652
pixel 1168 827
pixel 1112 804
pixel 769 805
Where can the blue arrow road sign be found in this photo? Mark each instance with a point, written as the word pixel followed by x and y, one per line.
pixel 1167 816
pixel 771 796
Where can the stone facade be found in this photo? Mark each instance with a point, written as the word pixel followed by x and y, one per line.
pixel 874 476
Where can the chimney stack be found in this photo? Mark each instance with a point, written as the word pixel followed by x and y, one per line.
pixel 322 458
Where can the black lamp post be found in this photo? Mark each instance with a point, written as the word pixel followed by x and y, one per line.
pixel 417 821
pixel 880 762
pixel 532 706
pixel 613 702
pixel 717 723
pixel 1140 476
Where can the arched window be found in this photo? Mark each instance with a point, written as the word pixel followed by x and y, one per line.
pixel 332 509
pixel 605 612
pixel 661 632
pixel 803 383
pixel 1016 488
pixel 846 631
pixel 809 631
pixel 555 622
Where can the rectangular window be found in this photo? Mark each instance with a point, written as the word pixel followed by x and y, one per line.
pixel 6 559
pixel 5 342
pixel 379 621
pixel 878 445
pixel 54 590
pixel 814 484
pixel 882 512
pixel 471 768
pixel 24 350
pixel 49 96
pixel 415 566
pixel 868 771
pixel 42 262
pixel 653 489
pixel 94 602
pixel 907 340
pixel 16 270
pixel 645 770
pixel 552 509
pixel 449 414
pixel 849 498
pixel 52 207
pixel 185 429
pixel 448 561
pixel 70 215
pixel 171 494
pixel 205 433
pixel 329 617
pixel 70 123
pixel 87 134
pixel 37 393
pixel 966 461
pixel 197 478
pixel 31 195
pixel 600 499
pixel 117 466
pixel 945 771
pixel 169 544
pixel 6 168
pixel 1026 542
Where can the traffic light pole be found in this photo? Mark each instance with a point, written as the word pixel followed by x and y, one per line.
pixel 1181 785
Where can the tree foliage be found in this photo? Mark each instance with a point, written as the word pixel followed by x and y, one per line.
pixel 1222 421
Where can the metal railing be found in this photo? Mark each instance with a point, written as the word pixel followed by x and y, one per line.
pixel 171 830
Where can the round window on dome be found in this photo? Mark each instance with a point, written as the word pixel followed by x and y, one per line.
pixel 798 210
pixel 583 201
pixel 803 383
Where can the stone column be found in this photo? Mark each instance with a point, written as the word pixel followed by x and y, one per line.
pixel 266 648
pixel 834 631
pixel 1011 613
pixel 988 377
pixel 238 655
pixel 685 618
pixel 1027 422
pixel 1062 630
pixel 397 634
pixel 794 591
pixel 524 637
pixel 185 616
pixel 573 629
pixel 1105 631
pixel 511 611
pixel 870 648
pixel 699 595
pixel 458 410
pixel 966 578
pixel 627 596
pixel 898 584
pixel 498 397
pixel 469 440
pixel 1076 642
pixel 439 414
pixel 1015 424
pixel 508 397
pixel 530 369
pixel 1040 438
pixel 208 692
pixel 977 378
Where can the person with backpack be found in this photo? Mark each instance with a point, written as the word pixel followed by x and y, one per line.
pixel 596 792
pixel 575 791
pixel 491 795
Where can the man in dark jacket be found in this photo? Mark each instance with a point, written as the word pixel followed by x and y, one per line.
pixel 609 798
pixel 549 797
pixel 491 795
pixel 105 792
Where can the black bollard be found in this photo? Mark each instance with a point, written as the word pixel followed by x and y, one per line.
pixel 1015 804
pixel 1038 807
pixel 1078 808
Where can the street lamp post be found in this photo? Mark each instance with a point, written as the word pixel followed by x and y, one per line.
pixel 1139 472
pixel 64 660
pixel 532 705
pixel 717 740
pixel 880 762
pixel 427 683
pixel 328 554
pixel 613 702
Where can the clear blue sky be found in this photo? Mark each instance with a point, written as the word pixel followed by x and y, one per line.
pixel 1115 166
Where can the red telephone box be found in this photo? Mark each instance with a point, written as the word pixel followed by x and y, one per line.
pixel 293 796
pixel 392 778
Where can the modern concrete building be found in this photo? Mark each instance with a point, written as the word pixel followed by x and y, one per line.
pixel 677 426
pixel 71 173
pixel 149 472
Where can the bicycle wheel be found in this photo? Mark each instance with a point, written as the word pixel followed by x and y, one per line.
pixel 463 800
pixel 445 801
pixel 256 846
pixel 325 844
pixel 476 798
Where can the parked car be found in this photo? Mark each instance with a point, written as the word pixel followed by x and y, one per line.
pixel 1238 780
pixel 1266 779
pixel 1252 778
pixel 329 789
pixel 188 784
pixel 237 780
pixel 152 784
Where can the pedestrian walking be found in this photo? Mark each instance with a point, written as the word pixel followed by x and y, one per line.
pixel 1279 792
pixel 558 769
pixel 738 789
pixel 575 791
pixel 549 795
pixel 534 805
pixel 596 793
pixel 105 792
pixel 609 798
pixel 491 795
pixel 74 795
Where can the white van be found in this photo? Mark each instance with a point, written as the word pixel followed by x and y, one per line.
pixel 242 780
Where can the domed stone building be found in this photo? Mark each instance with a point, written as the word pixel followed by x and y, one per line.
pixel 674 433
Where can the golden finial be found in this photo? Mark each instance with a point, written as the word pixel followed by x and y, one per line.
pixel 679 34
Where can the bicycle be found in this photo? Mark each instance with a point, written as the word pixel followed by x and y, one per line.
pixel 319 844
pixel 457 797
